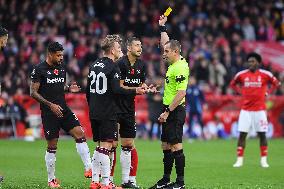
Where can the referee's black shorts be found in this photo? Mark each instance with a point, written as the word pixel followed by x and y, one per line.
pixel 172 129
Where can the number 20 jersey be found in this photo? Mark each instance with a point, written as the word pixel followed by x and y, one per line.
pixel 102 85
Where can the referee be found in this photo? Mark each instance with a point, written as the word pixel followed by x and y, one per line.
pixel 173 117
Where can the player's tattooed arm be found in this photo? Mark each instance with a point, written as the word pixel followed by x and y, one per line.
pixel 34 87
pixel 56 109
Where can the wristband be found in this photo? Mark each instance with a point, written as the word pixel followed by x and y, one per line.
pixel 162 29
pixel 168 109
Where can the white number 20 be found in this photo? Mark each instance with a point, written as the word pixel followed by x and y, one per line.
pixel 96 81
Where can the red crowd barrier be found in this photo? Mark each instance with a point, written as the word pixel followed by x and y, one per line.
pixel 226 107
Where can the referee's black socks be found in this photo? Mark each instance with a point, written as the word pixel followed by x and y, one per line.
pixel 168 164
pixel 179 164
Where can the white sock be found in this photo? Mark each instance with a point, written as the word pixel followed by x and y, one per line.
pixel 125 161
pixel 104 161
pixel 132 179
pixel 84 152
pixel 50 164
pixel 96 167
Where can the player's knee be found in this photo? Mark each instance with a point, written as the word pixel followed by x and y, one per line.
pixel 78 133
pixel 115 144
pixel 52 144
pixel 107 145
pixel 127 142
pixel 262 136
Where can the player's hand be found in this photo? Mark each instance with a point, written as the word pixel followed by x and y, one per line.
pixel 162 20
pixel 74 88
pixel 153 89
pixel 56 109
pixel 140 90
pixel 163 117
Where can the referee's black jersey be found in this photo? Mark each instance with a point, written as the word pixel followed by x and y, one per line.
pixel 133 76
pixel 102 87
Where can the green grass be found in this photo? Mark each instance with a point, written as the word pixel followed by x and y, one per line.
pixel 208 165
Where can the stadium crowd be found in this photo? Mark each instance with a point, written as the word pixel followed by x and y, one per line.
pixel 210 31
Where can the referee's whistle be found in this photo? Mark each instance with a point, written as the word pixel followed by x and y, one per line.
pixel 168 12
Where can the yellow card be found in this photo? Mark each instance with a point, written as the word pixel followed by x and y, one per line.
pixel 168 12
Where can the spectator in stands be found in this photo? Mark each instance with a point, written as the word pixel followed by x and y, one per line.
pixel 195 101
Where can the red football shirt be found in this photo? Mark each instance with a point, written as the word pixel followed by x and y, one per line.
pixel 253 87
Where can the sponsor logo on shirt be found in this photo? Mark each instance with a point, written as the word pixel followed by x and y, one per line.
pixel 99 64
pixel 253 84
pixel 55 80
pixel 132 81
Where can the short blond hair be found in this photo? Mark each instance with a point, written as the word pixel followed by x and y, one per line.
pixel 108 42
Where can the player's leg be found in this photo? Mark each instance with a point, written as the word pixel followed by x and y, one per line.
pixel 261 126
pixel 71 124
pixel 106 135
pixel 263 149
pixel 51 128
pixel 82 149
pixel 50 159
pixel 112 157
pixel 128 156
pixel 95 125
pixel 244 124
pixel 240 149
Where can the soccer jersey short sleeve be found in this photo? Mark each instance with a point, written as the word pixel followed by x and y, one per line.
pixel 35 75
pixel 181 76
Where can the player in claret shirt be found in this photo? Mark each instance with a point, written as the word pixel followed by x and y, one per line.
pixel 252 85
pixel 48 88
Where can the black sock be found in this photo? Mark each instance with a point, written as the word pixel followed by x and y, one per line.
pixel 179 164
pixel 168 164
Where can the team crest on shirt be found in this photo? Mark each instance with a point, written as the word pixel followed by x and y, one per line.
pixel 48 72
pixel 259 79
pixel 33 72
pixel 138 71
pixel 246 79
pixel 55 71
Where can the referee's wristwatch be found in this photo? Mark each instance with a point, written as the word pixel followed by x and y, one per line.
pixel 168 110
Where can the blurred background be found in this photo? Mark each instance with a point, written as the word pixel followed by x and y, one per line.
pixel 215 35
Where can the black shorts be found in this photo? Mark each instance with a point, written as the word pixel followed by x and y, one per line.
pixel 172 129
pixel 52 124
pixel 127 128
pixel 104 130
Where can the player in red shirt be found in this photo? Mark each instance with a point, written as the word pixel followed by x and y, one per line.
pixel 252 84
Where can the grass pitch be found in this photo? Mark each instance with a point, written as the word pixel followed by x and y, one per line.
pixel 208 165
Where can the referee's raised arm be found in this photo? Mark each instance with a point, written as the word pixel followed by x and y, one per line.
pixel 163 29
